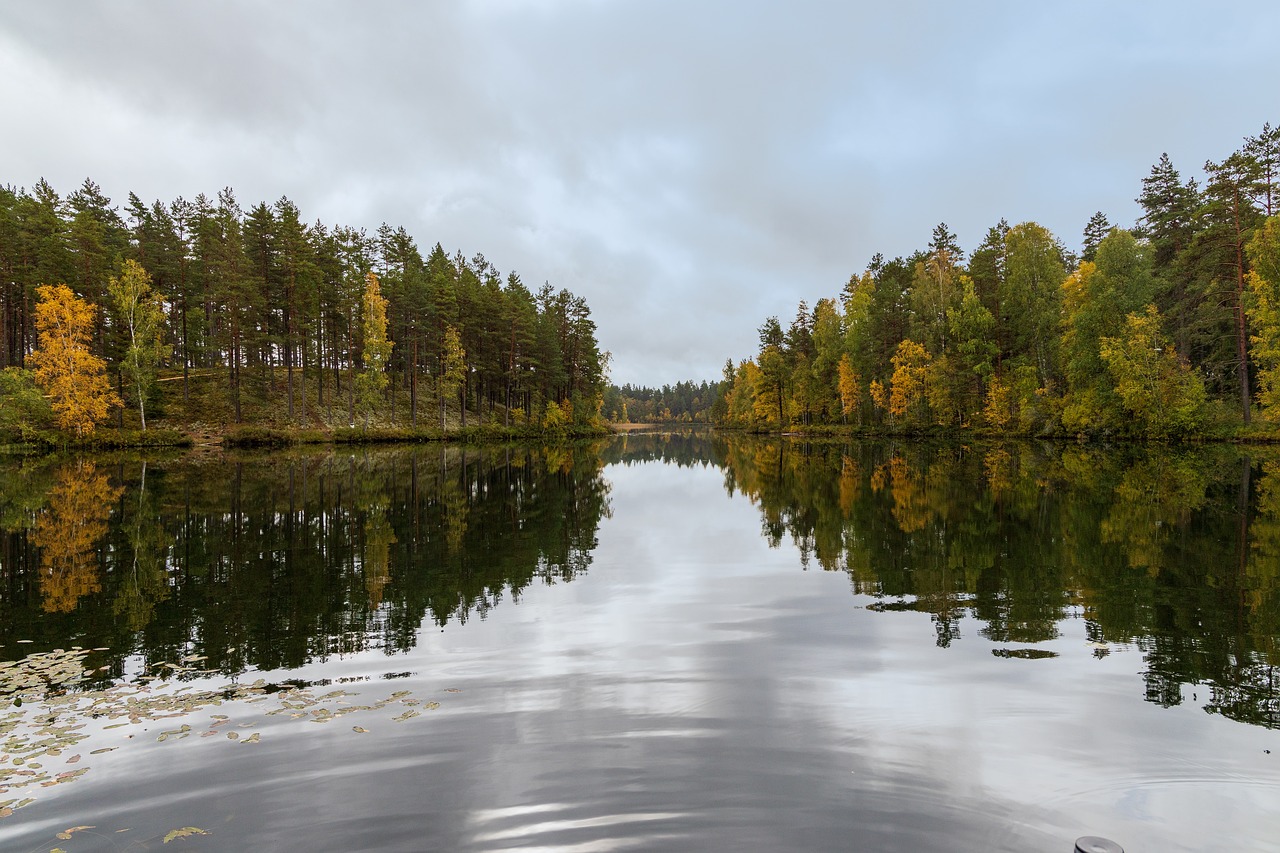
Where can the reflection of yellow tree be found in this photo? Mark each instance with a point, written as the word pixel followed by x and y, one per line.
pixel 910 503
pixel 879 477
pixel 378 539
pixel 850 480
pixel 66 533
pixel 998 465
pixel 371 499
pixel 454 502
pixel 559 460
pixel 1155 497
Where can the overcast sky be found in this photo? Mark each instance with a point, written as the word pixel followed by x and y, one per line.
pixel 688 167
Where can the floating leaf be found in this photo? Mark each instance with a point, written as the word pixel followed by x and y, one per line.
pixel 405 716
pixel 67 833
pixel 361 729
pixel 185 832
pixel 233 735
pixel 452 690
pixel 253 738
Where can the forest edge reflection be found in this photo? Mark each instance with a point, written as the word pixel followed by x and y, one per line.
pixel 270 561
pixel 273 560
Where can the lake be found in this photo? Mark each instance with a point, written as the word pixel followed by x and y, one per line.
pixel 656 642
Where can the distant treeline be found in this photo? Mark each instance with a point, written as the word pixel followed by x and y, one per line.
pixel 1169 327
pixel 274 308
pixel 686 402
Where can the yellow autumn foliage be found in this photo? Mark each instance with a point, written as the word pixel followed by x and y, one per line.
pixel 67 533
pixel 907 385
pixel 65 369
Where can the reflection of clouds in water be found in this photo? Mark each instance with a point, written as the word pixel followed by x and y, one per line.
pixel 698 690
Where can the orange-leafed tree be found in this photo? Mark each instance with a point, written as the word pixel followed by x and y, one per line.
pixel 879 396
pixel 66 369
pixel 849 384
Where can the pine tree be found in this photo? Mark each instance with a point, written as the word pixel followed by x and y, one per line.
pixel 1169 208
pixel 1265 149
pixel 1094 231
pixel 1231 215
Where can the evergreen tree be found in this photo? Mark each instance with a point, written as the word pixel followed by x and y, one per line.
pixel 1265 150
pixel 1228 218
pixel 988 267
pixel 1094 231
pixel 1169 207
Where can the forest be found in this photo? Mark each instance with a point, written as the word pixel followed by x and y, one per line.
pixel 684 402
pixel 203 311
pixel 1168 328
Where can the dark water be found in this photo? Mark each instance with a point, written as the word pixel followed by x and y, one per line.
pixel 661 642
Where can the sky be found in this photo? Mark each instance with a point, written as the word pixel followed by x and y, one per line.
pixel 690 168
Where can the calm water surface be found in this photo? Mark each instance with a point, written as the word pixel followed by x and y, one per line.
pixel 661 642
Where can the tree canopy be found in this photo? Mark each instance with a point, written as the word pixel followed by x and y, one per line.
pixel 1153 330
pixel 280 313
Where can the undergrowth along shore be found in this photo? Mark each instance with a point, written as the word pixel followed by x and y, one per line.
pixel 251 435
pixel 1258 432
pixel 263 436
pixel 258 436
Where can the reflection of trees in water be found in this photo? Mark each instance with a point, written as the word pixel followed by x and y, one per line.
pixel 683 448
pixel 143 568
pixel 67 533
pixel 277 559
pixel 1176 551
